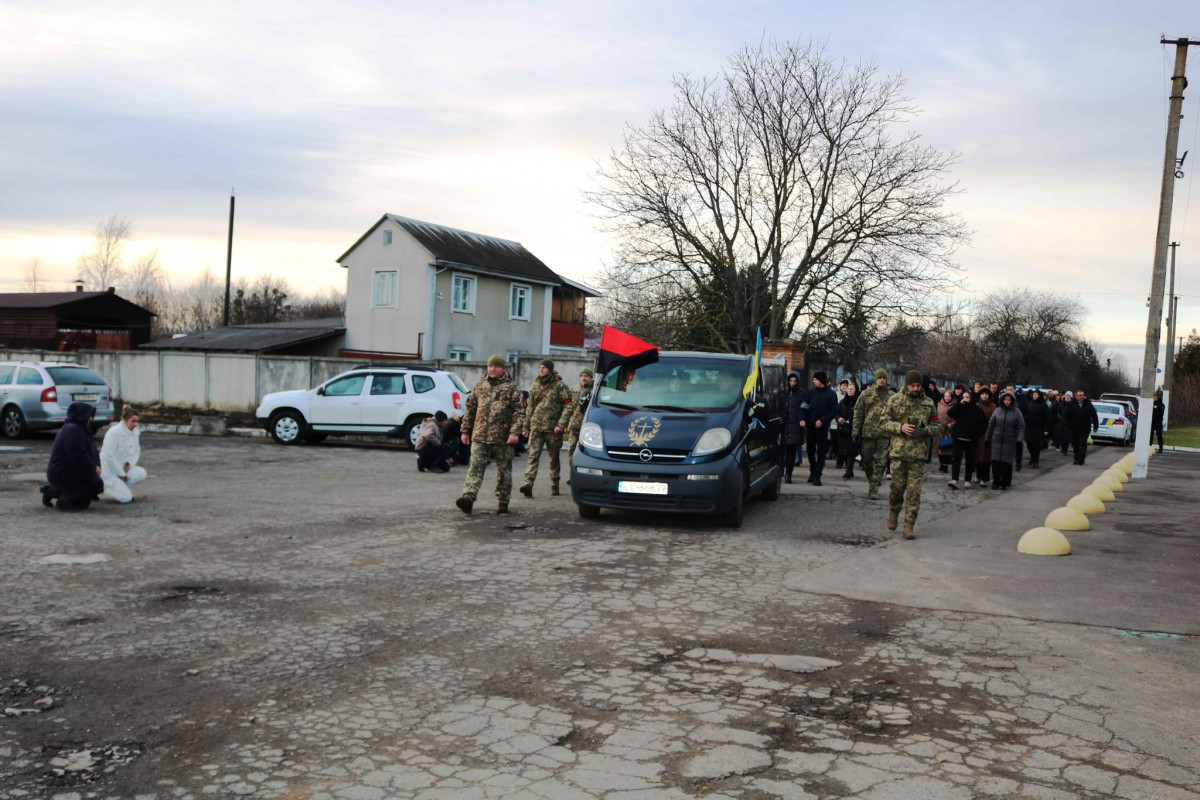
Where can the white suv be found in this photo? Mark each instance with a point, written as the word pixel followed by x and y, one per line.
pixel 366 400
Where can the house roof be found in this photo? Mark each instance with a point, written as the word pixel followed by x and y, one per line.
pixel 57 299
pixel 262 338
pixel 582 287
pixel 454 247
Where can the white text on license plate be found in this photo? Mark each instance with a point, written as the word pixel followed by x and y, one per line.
pixel 86 397
pixel 641 487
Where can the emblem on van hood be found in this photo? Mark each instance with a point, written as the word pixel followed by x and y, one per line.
pixel 643 429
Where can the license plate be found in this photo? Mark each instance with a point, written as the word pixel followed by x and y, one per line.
pixel 86 397
pixel 641 487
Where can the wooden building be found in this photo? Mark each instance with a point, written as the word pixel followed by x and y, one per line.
pixel 72 321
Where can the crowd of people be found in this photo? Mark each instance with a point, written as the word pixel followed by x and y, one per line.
pixel 980 434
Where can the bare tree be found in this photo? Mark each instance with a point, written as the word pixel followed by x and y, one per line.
pixel 32 280
pixel 777 195
pixel 1027 336
pixel 102 266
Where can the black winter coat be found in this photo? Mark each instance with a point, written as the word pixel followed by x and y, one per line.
pixel 1081 417
pixel 969 422
pixel 823 406
pixel 845 426
pixel 795 410
pixel 74 457
pixel 1037 421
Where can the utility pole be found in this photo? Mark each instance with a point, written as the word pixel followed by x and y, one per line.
pixel 1169 367
pixel 1141 449
pixel 229 258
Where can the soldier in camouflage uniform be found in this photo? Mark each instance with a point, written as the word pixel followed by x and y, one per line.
pixel 868 413
pixel 547 398
pixel 572 416
pixel 491 427
pixel 912 419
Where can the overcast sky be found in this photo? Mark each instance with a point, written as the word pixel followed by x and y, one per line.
pixel 491 117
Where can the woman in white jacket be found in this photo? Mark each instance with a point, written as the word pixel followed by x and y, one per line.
pixel 119 457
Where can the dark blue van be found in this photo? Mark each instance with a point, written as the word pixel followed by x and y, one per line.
pixel 678 435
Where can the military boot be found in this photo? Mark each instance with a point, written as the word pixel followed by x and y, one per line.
pixel 465 503
pixel 873 494
pixel 554 489
pixel 527 490
pixel 893 520
pixel 502 508
pixel 908 531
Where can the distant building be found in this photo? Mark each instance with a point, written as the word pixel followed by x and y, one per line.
pixel 311 337
pixel 72 321
pixel 416 290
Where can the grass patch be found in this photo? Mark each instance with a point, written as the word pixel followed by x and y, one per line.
pixel 1182 436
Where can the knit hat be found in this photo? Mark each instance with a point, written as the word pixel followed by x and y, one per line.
pixel 547 363
pixel 587 371
pixel 497 360
pixel 880 373
pixel 911 377
pixel 821 378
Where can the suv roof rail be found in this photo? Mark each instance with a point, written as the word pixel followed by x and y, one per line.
pixel 393 365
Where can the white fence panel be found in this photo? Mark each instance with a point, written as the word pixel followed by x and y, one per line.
pixel 231 381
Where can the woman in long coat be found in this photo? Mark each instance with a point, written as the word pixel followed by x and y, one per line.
pixel 845 419
pixel 1037 425
pixel 983 451
pixel 946 454
pixel 793 433
pixel 1005 429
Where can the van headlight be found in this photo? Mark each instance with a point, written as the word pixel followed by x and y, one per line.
pixel 591 437
pixel 714 439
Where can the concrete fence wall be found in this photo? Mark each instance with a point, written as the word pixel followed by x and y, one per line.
pixel 236 381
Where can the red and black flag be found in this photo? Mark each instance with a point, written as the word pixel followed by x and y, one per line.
pixel 619 349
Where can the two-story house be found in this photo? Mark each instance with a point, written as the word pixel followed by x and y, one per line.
pixel 424 291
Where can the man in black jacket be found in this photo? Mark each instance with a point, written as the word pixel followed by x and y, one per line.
pixel 1082 420
pixel 821 409
pixel 1037 425
pixel 73 474
pixel 969 424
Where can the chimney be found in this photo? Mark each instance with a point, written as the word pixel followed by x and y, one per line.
pixel 112 290
pixel 78 284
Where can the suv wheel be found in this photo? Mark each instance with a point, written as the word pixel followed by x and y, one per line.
pixel 14 423
pixel 412 430
pixel 287 427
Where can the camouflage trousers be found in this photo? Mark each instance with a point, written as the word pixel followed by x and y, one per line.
pixel 874 460
pixel 572 443
pixel 906 488
pixel 481 455
pixel 553 443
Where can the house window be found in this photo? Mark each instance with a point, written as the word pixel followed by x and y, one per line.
pixel 385 289
pixel 387 237
pixel 511 356
pixel 460 354
pixel 518 301
pixel 463 298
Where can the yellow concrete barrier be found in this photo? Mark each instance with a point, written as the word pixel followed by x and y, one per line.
pixel 1101 493
pixel 1067 519
pixel 1122 467
pixel 1116 474
pixel 1086 504
pixel 1044 542
pixel 1109 483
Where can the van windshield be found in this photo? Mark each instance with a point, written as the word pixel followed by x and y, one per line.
pixel 677 384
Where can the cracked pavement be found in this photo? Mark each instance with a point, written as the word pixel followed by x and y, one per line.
pixel 320 622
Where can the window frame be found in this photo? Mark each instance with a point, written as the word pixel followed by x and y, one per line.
pixel 513 288
pixel 394 289
pixel 390 376
pixel 387 238
pixel 465 352
pixel 469 306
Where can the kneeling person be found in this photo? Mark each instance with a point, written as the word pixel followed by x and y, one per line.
pixel 73 474
pixel 119 457
pixel 431 451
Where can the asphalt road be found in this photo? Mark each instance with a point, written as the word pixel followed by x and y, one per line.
pixel 321 622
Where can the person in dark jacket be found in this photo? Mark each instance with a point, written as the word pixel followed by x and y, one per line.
pixel 983 451
pixel 793 433
pixel 820 409
pixel 969 425
pixel 1037 425
pixel 930 390
pixel 1156 419
pixel 1022 403
pixel 73 474
pixel 1082 420
pixel 1064 427
pixel 1004 430
pixel 845 429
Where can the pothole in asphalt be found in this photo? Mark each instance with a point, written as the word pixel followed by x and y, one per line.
pixel 23 697
pixel 70 764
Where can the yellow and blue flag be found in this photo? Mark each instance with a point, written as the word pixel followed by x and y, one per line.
pixel 753 379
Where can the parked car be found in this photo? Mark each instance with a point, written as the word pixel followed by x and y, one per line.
pixel 366 400
pixel 1114 425
pixel 1132 399
pixel 34 395
pixel 1130 413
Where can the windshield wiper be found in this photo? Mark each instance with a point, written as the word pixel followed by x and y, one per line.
pixel 680 409
pixel 621 406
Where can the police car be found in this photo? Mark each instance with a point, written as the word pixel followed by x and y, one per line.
pixel 1114 425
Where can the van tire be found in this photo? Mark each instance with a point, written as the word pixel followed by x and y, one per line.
pixel 589 512
pixel 733 517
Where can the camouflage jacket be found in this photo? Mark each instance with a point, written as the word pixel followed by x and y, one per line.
pixel 868 412
pixel 903 408
pixel 547 397
pixel 573 414
pixel 494 411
